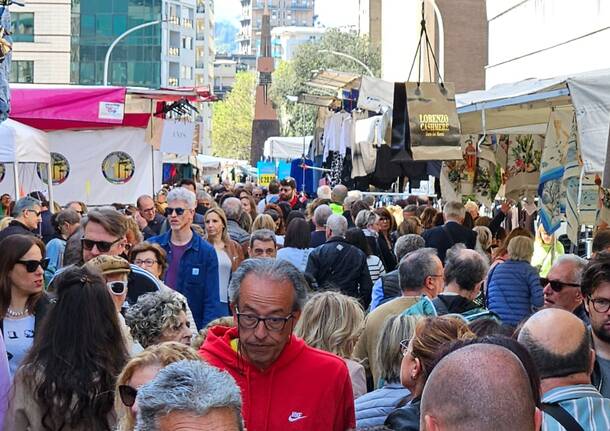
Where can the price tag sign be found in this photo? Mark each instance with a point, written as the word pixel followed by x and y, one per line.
pixel 266 173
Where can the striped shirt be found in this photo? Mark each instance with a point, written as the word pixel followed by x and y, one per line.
pixel 584 403
pixel 376 268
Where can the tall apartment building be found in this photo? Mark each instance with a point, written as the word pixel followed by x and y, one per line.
pixel 41 49
pixel 283 13
pixel 205 53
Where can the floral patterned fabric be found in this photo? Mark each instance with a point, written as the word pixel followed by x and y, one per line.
pixel 472 177
pixel 552 194
pixel 519 156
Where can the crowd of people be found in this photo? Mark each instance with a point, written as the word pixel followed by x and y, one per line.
pixel 236 306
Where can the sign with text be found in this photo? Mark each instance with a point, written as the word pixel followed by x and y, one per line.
pixel 266 173
pixel 177 137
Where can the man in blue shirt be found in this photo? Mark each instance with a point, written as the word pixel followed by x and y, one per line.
pixel 192 262
pixel 560 346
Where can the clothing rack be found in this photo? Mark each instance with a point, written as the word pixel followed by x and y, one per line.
pixel 313 168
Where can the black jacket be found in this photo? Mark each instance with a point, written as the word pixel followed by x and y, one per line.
pixel 453 304
pixel 405 418
pixel 338 265
pixel 15 228
pixel 318 237
pixel 390 285
pixel 40 311
pixel 442 238
pixel 387 255
pixel 154 226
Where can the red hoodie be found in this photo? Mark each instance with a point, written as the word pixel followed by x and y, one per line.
pixel 304 390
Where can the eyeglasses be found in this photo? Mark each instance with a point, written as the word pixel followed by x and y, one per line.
pixel 274 324
pixel 117 287
pixel 404 347
pixel 128 395
pixel 32 265
pixel 169 211
pixel 103 246
pixel 556 285
pixel 601 305
pixel 35 212
pixel 145 262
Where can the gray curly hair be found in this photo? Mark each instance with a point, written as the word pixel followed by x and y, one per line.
pixel 152 315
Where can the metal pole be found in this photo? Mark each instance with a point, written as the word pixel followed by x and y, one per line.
pixel 341 54
pixel 50 186
pixel 118 39
pixel 16 176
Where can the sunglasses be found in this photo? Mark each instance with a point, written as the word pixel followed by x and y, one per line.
pixel 32 265
pixel 103 246
pixel 404 346
pixel 128 395
pixel 169 211
pixel 556 285
pixel 117 287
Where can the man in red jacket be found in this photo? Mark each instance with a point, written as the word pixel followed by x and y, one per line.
pixel 285 384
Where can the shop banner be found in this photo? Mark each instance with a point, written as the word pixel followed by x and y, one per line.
pixel 433 121
pixel 177 137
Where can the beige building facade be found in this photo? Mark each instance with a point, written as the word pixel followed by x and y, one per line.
pixel 41 50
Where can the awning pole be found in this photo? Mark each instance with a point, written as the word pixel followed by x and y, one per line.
pixel 50 187
pixel 16 176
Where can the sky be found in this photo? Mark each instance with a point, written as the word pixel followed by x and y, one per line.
pixel 332 13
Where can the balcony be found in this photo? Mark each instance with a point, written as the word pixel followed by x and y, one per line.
pixel 200 8
pixel 172 81
pixel 187 23
pixel 174 20
pixel 172 51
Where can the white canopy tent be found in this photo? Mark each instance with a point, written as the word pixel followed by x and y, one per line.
pixel 286 147
pixel 525 106
pixel 24 144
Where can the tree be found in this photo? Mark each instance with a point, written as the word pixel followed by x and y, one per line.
pixel 232 119
pixel 290 77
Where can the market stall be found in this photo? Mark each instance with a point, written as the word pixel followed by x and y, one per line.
pixel 549 139
pixel 108 142
pixel 23 150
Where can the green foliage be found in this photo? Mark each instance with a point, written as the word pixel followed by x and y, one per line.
pixel 232 119
pixel 290 77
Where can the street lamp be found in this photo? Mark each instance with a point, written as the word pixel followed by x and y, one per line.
pixel 118 39
pixel 341 54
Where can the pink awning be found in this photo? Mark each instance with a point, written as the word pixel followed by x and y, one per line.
pixel 72 107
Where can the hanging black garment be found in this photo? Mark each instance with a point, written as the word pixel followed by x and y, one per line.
pixel 400 118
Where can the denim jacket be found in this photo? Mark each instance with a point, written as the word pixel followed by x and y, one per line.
pixel 197 278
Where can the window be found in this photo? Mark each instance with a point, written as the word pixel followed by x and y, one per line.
pixel 22 71
pixel 23 26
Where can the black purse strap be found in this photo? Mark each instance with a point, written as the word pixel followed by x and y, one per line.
pixel 562 416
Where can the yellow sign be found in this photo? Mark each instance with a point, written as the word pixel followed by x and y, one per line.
pixel 265 179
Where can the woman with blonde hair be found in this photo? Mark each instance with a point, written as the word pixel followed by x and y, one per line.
pixel 142 369
pixel 263 221
pixel 500 254
pixel 418 358
pixel 332 322
pixel 484 238
pixel 513 287
pixel 373 408
pixel 546 251
pixel 230 253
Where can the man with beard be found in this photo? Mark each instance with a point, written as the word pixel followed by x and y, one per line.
pixel 595 286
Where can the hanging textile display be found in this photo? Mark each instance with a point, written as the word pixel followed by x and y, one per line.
pixel 5 60
pixel 552 194
pixel 581 209
pixel 519 156
pixel 471 177
pixel 434 125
